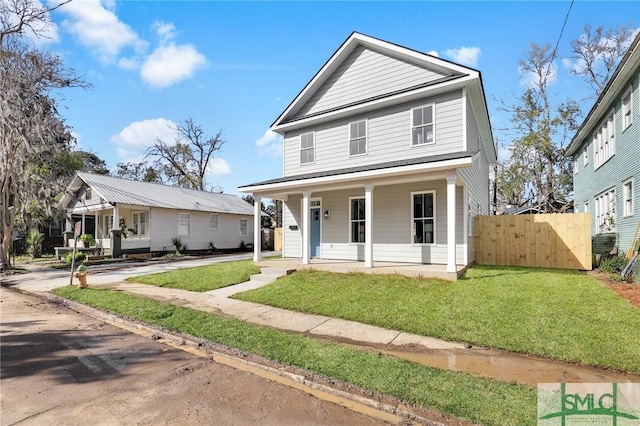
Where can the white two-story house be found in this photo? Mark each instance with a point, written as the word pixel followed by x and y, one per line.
pixel 386 155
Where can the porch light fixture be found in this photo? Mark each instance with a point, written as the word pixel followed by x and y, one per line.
pixel 327 214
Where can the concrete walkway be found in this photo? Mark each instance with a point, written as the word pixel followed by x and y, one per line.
pixel 218 301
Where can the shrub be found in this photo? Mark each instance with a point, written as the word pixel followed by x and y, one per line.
pixel 80 256
pixel 177 243
pixel 88 239
pixel 613 265
pixel 212 248
pixel 34 243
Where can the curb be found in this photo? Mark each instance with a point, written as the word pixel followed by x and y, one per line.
pixel 397 411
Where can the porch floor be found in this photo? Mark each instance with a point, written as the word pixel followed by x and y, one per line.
pixel 343 266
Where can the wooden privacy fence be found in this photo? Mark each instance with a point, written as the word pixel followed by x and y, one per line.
pixel 541 240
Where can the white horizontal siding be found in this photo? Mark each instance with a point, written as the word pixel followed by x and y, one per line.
pixel 291 216
pixel 388 137
pixel 365 74
pixel 163 225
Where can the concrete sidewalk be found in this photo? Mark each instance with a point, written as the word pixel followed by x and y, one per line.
pixel 218 301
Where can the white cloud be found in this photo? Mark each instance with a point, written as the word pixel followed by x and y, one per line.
pixel 433 53
pixel 96 26
pixel 464 55
pixel 218 167
pixel 170 64
pixel 270 144
pixel 134 139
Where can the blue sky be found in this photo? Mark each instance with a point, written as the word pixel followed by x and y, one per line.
pixel 235 66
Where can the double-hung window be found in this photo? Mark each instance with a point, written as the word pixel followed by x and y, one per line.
pixel 585 154
pixel 307 148
pixel 87 194
pixel 139 223
pixel 213 221
pixel 606 211
pixel 357 220
pixel 626 108
pixel 108 225
pixel 423 217
pixel 243 227
pixel 56 228
pixel 627 194
pixel 184 224
pixel 604 146
pixel 358 138
pixel 422 131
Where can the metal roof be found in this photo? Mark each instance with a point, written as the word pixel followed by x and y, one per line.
pixel 124 191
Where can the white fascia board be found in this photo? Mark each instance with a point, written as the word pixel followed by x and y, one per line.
pixel 369 174
pixel 376 104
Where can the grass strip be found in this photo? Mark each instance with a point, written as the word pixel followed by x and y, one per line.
pixel 475 398
pixel 558 314
pixel 202 278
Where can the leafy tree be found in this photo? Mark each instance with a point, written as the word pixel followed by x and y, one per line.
pixel 142 172
pixel 90 162
pixel 537 171
pixel 265 221
pixel 34 140
pixel 186 162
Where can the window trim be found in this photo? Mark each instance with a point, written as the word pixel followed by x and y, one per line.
pixel 366 138
pixel 356 197
pixel 211 216
pixel 411 223
pixel 88 193
pixel 188 215
pixel 585 154
pixel 62 223
pixel 246 227
pixel 433 124
pixel 146 223
pixel 600 200
pixel 604 142
pixel 623 110
pixel 107 219
pixel 313 136
pixel 627 192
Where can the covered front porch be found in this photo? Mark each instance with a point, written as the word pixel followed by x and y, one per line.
pixel 345 267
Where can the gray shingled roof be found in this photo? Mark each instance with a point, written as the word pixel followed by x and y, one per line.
pixel 124 191
pixel 379 166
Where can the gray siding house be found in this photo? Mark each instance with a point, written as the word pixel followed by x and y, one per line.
pixel 152 214
pixel 606 153
pixel 386 155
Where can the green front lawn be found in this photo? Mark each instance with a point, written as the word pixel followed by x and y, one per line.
pixel 203 278
pixel 557 314
pixel 481 400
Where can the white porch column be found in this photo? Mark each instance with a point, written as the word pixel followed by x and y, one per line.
pixel 257 232
pixel 116 219
pixel 368 226
pixel 95 226
pixel 83 224
pixel 305 228
pixel 451 223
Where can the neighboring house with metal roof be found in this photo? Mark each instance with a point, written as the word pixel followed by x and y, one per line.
pixel 606 154
pixel 386 155
pixel 149 215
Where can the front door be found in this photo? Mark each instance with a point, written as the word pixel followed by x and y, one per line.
pixel 315 232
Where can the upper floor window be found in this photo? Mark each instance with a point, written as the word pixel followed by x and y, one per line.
pixel 627 195
pixel 626 108
pixel 87 194
pixel 422 126
pixel 585 154
pixel 604 141
pixel 358 138
pixel 357 220
pixel 606 211
pixel 243 227
pixel 213 221
pixel 423 217
pixel 184 224
pixel 307 148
